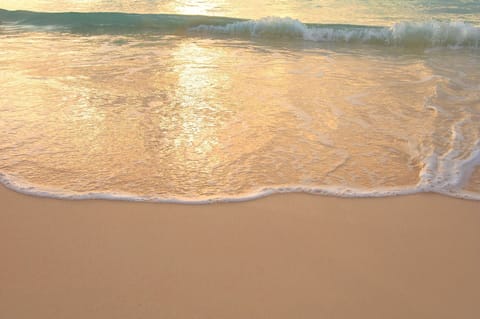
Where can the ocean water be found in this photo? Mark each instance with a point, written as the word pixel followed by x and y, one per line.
pixel 200 101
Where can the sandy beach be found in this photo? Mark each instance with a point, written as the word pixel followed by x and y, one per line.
pixel 194 100
pixel 284 256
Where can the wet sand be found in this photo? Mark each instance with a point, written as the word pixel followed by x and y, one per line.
pixel 284 256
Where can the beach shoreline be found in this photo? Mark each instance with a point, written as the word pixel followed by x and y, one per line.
pixel 282 256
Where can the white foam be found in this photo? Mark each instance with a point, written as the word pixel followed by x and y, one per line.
pixel 336 191
pixel 448 173
pixel 408 34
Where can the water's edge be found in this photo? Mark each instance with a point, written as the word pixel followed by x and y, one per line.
pixel 340 192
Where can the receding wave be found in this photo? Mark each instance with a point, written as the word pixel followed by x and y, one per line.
pixel 24 187
pixel 402 34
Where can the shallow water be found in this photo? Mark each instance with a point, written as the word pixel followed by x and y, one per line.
pixel 180 108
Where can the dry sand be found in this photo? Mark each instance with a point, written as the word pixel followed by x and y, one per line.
pixel 285 256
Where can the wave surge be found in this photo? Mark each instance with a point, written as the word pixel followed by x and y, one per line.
pixel 405 34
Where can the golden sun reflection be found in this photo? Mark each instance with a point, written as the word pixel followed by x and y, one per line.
pixel 197 90
pixel 196 7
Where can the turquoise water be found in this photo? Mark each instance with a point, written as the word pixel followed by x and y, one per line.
pixel 199 101
pixel 361 12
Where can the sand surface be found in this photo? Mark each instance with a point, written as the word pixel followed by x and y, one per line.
pixel 285 256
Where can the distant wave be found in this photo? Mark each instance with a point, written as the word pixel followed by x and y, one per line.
pixel 402 34
pixel 109 22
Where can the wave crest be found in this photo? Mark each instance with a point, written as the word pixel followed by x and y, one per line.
pixel 406 34
pixel 402 34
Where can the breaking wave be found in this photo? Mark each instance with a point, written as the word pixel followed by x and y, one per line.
pixel 402 34
pixel 405 34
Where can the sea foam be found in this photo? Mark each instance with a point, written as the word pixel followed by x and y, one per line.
pixel 407 34
pixel 426 185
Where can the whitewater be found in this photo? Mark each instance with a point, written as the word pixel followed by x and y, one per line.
pixel 172 102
